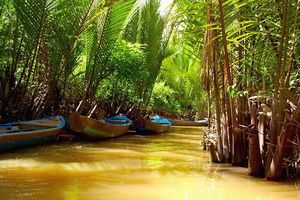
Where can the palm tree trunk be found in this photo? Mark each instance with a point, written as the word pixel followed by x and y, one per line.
pixel 229 81
pixel 213 61
pixel 276 108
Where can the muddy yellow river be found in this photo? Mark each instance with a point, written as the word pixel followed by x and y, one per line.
pixel 172 166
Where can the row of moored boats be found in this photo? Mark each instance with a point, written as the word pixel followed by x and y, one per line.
pixel 28 133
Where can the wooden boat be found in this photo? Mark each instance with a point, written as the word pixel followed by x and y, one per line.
pixel 97 129
pixel 28 133
pixel 147 126
pixel 177 122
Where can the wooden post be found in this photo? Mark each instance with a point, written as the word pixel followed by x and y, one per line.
pixel 212 151
pixel 255 167
pixel 287 134
pixel 262 135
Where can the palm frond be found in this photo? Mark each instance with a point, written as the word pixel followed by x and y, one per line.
pixel 34 15
pixel 103 35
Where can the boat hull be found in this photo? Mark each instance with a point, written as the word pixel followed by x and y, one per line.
pixel 152 128
pixel 96 129
pixel 15 139
pixel 26 142
pixel 176 122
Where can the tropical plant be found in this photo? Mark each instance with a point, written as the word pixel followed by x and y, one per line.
pixel 181 74
pixel 46 42
pixel 163 98
pixel 151 29
pixel 128 61
pixel 100 39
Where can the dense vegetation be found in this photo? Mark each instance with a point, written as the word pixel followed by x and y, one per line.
pixel 60 55
pixel 234 61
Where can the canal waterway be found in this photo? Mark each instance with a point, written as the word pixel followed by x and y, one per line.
pixel 171 166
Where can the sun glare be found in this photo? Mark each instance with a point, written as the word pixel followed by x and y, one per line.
pixel 164 5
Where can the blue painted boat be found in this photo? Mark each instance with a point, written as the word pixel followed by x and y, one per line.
pixel 118 119
pixel 99 129
pixel 154 125
pixel 28 133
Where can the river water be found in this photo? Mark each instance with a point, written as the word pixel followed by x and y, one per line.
pixel 172 166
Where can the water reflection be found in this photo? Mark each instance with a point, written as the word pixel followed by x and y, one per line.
pixel 72 192
pixel 169 166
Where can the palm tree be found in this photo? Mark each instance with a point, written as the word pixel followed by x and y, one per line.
pixel 151 29
pixel 49 39
pixel 100 38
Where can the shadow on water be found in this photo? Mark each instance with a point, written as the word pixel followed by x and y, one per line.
pixel 167 166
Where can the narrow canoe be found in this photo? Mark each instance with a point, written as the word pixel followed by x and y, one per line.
pixel 177 122
pixel 145 126
pixel 28 133
pixel 97 129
